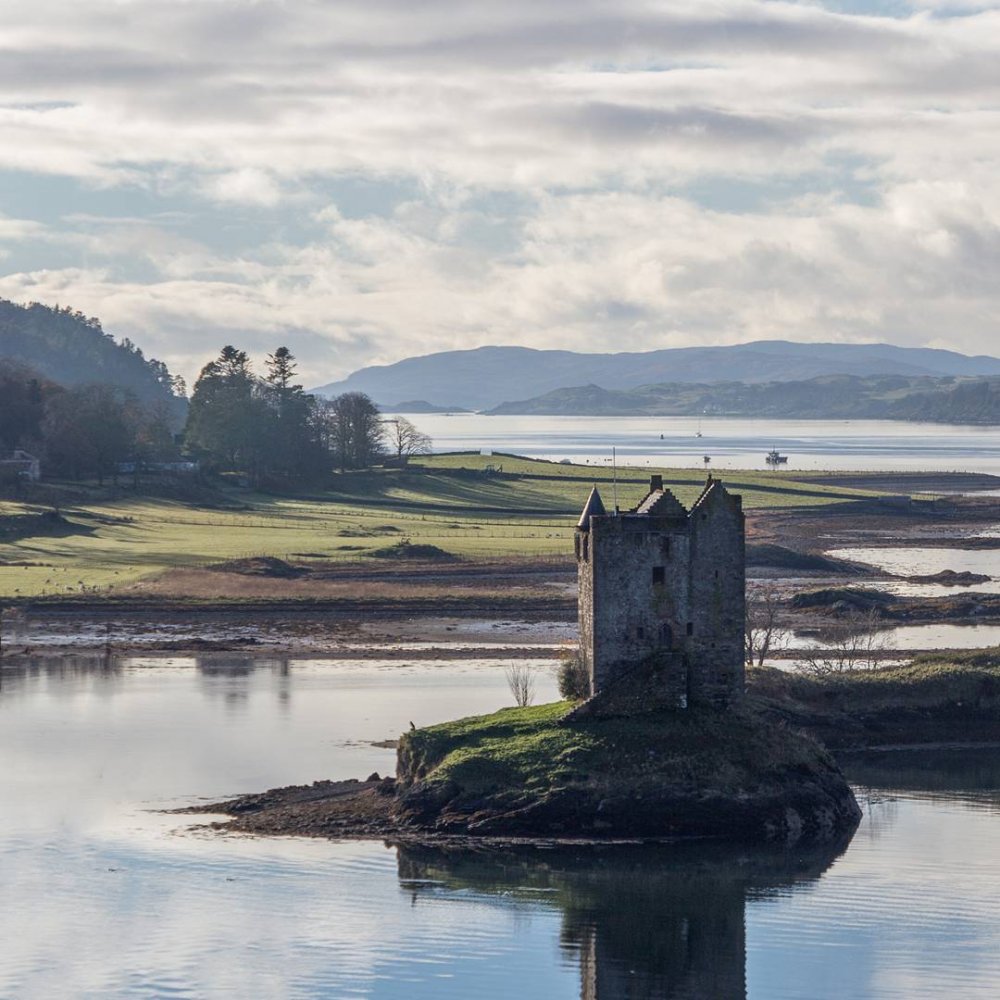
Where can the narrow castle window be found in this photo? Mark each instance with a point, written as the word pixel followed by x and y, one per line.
pixel 640 632
pixel 586 547
pixel 659 575
pixel 690 628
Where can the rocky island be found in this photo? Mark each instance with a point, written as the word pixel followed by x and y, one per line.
pixel 662 744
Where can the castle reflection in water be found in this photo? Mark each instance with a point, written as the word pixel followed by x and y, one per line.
pixel 227 677
pixel 641 922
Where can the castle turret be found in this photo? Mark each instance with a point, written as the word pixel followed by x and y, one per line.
pixel 594 507
pixel 717 587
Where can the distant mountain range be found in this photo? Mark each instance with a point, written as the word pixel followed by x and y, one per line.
pixel 949 399
pixel 485 378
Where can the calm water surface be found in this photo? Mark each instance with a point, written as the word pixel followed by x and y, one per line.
pixel 918 637
pixel 738 443
pixel 103 898
pixel 918 561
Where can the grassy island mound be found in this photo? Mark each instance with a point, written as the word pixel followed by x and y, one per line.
pixel 746 776
pixel 942 697
pixel 521 772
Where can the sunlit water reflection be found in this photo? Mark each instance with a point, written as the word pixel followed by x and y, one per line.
pixel 105 899
pixel 916 637
pixel 920 561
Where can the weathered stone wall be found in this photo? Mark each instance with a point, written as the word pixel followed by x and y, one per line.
pixel 657 684
pixel 718 598
pixel 585 601
pixel 652 584
pixel 634 617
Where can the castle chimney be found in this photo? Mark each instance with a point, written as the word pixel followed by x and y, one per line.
pixel 655 482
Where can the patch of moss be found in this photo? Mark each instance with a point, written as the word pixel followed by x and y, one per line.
pixel 528 749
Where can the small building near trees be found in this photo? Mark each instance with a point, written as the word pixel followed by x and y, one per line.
pixel 20 465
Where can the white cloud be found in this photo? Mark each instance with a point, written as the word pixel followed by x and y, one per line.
pixel 248 185
pixel 857 155
pixel 518 95
pixel 621 270
pixel 18 230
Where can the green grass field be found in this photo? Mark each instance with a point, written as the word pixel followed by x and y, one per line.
pixel 451 501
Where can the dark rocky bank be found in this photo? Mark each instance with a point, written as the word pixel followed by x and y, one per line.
pixel 756 775
pixel 520 776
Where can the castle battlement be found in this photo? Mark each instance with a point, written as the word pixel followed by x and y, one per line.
pixel 663 584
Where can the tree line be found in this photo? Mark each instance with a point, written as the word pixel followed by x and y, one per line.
pixel 271 430
pixel 85 431
pixel 264 427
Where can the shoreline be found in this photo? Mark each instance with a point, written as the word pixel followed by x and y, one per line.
pixel 304 811
pixel 517 634
pixel 305 636
pixel 384 808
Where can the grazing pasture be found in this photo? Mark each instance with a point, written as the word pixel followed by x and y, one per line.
pixel 467 505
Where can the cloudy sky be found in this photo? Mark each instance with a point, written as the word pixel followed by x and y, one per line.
pixel 369 180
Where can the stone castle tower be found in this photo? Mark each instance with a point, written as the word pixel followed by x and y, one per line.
pixel 660 584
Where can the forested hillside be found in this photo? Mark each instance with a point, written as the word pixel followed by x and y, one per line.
pixel 79 400
pixel 952 400
pixel 71 349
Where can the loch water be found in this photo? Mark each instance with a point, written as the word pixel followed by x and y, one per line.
pixel 730 442
pixel 105 897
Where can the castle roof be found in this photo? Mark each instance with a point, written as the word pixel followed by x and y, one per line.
pixel 715 491
pixel 594 507
pixel 661 503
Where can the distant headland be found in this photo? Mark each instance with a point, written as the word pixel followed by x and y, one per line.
pixel 488 378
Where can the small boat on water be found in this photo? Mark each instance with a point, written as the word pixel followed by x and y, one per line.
pixel 774 458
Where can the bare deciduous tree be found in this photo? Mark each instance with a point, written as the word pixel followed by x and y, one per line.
pixel 521 681
pixel 406 440
pixel 763 634
pixel 853 644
